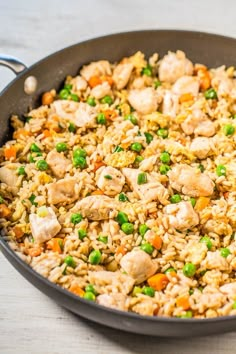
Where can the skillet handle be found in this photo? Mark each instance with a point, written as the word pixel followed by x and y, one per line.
pixel 12 63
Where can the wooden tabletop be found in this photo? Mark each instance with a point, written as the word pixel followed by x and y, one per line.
pixel 29 321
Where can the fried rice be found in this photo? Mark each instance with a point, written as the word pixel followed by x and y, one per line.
pixel 121 187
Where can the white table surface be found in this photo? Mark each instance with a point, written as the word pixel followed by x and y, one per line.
pixel 29 321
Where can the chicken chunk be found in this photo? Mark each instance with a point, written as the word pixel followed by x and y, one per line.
pixel 214 260
pixel 148 163
pixel 186 84
pixel 222 82
pixel 112 185
pixel 174 66
pixel 190 181
pixel 80 113
pixel 58 163
pixel 105 281
pixel 62 191
pixel 8 175
pixel 80 83
pixel 97 68
pixel 181 215
pixel 229 290
pixel 197 123
pixel 144 101
pixel 152 190
pixel 102 90
pixel 44 228
pixel 139 265
pixel 121 74
pixel 115 301
pixel 201 147
pixel 170 104
pixel 96 207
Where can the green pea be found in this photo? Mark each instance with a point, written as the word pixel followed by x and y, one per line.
pixel 211 94
pixel 90 288
pixel 157 83
pixel 136 147
pixel 170 270
pixel 136 290
pixel 175 198
pixel 69 260
pixel 61 147
pixel 64 94
pixel 72 127
pixel 107 99
pixel 201 167
pixel 162 133
pixel 188 314
pixel 21 171
pixel 89 296
pixel 127 228
pixel 149 137
pixel 142 178
pixel 101 119
pixel 42 165
pixel 34 148
pixel 143 228
pixel 137 160
pixel 165 157
pixel 225 252
pixel 68 87
pixel 32 199
pixel 191 291
pixel 147 70
pixel 193 202
pixel 207 241
pixel 164 169
pixel 123 198
pixel 79 153
pixel 76 218
pixel 79 161
pixel 103 239
pixel 220 170
pixel 234 305
pixel 189 270
pixel 147 247
pixel 122 218
pixel 132 119
pixel 82 234
pixel 91 101
pixel 95 257
pixel 147 290
pixel 228 129
pixel 74 97
pixel 118 149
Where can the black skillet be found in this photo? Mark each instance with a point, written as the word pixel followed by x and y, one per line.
pixel 209 49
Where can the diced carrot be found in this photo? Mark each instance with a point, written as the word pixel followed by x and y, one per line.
pixel 158 281
pixel 18 232
pixel 34 252
pixel 125 145
pixel 121 250
pixel 47 98
pixel 156 241
pixel 94 81
pixel 155 312
pixel 226 194
pixel 110 114
pixel 183 301
pixel 10 153
pixel 185 97
pixel 205 79
pixel 202 203
pixel 198 67
pixel 5 212
pixel 97 192
pixel 21 133
pixel 55 244
pixel 107 79
pixel 47 133
pixel 98 164
pixel 76 289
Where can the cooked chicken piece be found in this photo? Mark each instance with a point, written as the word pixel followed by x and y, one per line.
pixel 221 82
pixel 148 163
pixel 201 147
pixel 96 207
pixel 121 74
pixel 110 180
pixel 115 301
pixel 62 191
pixel 152 190
pixel 181 215
pixel 58 163
pixel 80 113
pixel 111 281
pixel 199 124
pixel 144 101
pixel 8 175
pixel 102 90
pixel 195 252
pixel 186 84
pixel 44 228
pixel 138 83
pixel 214 260
pixel 80 83
pixel 145 307
pixel 190 181
pixel 139 265
pixel 97 68
pixel 174 66
pixel 229 290
pixel 170 104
